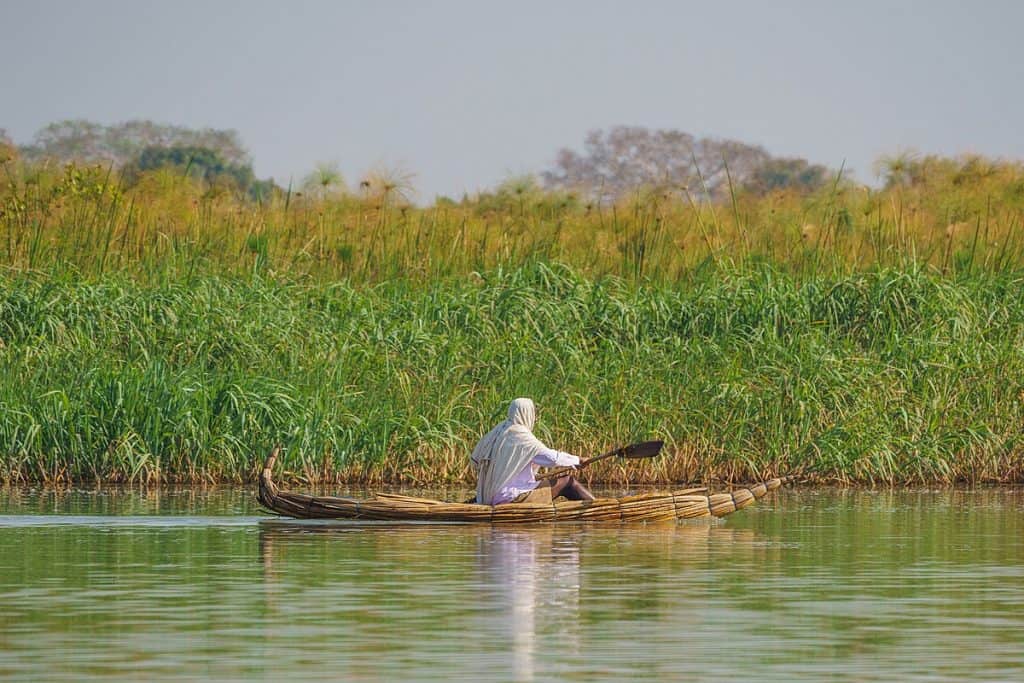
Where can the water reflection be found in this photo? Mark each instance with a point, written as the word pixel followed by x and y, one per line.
pixel 532 581
pixel 507 603
pixel 515 585
pixel 535 580
pixel 813 585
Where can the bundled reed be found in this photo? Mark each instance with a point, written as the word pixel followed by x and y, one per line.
pixel 691 503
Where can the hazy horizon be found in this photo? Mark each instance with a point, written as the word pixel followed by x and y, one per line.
pixel 464 94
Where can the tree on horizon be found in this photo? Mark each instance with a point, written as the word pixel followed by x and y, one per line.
pixel 121 143
pixel 622 159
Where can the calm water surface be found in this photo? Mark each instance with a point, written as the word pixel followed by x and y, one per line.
pixel 809 585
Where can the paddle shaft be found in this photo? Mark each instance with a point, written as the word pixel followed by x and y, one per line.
pixel 584 463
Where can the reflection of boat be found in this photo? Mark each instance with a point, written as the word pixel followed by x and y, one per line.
pixel 684 504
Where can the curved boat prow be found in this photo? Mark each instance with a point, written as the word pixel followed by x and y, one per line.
pixel 267 489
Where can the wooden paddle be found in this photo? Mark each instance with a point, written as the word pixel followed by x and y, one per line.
pixel 636 451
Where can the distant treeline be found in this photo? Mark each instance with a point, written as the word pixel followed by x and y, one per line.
pixel 612 164
pixel 216 157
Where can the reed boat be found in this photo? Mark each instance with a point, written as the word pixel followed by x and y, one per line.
pixel 690 503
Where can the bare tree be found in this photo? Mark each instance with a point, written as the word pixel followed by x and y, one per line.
pixel 618 161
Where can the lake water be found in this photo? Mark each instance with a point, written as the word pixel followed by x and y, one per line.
pixel 806 585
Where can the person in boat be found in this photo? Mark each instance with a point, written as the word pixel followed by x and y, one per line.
pixel 507 458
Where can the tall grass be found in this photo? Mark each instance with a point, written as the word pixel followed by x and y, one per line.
pixel 887 375
pixel 954 217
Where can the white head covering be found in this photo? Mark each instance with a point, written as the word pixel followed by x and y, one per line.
pixel 506 450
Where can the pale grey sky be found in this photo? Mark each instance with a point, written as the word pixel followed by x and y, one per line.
pixel 465 93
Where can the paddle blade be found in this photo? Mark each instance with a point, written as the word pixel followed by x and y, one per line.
pixel 647 449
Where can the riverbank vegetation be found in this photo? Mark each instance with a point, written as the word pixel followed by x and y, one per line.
pixel 884 376
pixel 159 325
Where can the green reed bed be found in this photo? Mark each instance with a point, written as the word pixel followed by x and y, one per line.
pixel 881 376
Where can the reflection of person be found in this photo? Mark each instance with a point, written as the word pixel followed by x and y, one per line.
pixel 535 576
pixel 507 458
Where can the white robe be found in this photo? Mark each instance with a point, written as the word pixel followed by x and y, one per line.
pixel 506 450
